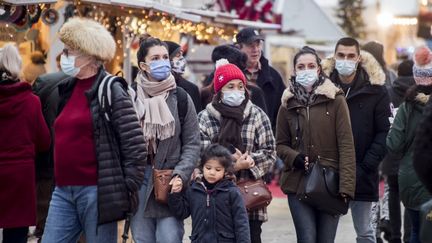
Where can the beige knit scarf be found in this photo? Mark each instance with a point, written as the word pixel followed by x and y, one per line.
pixel 156 119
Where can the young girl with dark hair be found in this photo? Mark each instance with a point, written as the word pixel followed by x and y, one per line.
pixel 213 201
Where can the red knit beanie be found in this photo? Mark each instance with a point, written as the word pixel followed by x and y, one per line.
pixel 226 72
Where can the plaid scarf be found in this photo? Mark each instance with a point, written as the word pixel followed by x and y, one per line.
pixel 300 93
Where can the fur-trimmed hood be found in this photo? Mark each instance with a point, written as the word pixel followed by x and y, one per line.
pixel 422 98
pixel 88 37
pixel 368 63
pixel 328 89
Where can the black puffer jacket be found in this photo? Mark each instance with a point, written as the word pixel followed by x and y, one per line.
pixel 120 148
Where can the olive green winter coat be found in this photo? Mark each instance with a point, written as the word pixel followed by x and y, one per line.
pixel 400 143
pixel 321 130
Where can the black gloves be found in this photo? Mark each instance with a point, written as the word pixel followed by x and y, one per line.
pixel 299 161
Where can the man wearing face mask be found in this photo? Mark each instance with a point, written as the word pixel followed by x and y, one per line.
pixel 178 67
pixel 362 80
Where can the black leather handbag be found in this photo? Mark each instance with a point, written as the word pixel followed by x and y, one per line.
pixel 320 189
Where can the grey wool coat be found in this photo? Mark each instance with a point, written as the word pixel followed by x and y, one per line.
pixel 180 153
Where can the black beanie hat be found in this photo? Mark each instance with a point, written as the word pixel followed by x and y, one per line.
pixel 231 53
pixel 405 68
pixel 173 48
pixel 377 51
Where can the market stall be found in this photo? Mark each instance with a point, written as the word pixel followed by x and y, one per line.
pixel 20 21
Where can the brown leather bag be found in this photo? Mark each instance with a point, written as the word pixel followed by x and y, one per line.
pixel 161 180
pixel 255 194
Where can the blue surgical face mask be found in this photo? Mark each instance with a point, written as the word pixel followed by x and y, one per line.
pixel 233 97
pixel 345 67
pixel 307 78
pixel 160 69
pixel 67 64
pixel 179 65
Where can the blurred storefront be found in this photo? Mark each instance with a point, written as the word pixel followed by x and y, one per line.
pixel 21 21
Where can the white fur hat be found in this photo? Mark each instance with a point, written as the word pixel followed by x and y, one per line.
pixel 88 37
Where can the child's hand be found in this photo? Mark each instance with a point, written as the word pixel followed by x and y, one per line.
pixel 177 184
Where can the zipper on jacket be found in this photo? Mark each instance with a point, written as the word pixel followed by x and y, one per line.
pixel 348 91
pixel 208 199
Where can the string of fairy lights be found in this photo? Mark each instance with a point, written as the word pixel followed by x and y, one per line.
pixel 158 24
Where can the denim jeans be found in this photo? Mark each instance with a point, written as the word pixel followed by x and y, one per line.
pixel 360 212
pixel 157 230
pixel 312 225
pixel 414 216
pixel 73 210
pixel 154 230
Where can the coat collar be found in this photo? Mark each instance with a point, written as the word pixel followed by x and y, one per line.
pixel 368 63
pixel 68 85
pixel 210 108
pixel 264 75
pixel 327 89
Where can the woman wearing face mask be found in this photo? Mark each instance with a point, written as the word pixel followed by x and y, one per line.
pixel 171 134
pixel 178 64
pixel 313 122
pixel 97 177
pixel 233 121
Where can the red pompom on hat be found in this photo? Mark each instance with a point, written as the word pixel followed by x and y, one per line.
pixel 422 69
pixel 226 72
pixel 422 56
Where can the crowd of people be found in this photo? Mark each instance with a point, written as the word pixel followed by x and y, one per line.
pixel 82 149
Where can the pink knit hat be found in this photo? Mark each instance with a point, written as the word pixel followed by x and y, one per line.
pixel 226 72
pixel 422 69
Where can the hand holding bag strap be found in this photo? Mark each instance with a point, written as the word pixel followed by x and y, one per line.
pixel 161 179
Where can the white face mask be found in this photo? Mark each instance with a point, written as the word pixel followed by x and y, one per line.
pixel 307 78
pixel 233 97
pixel 67 64
pixel 345 67
pixel 179 65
